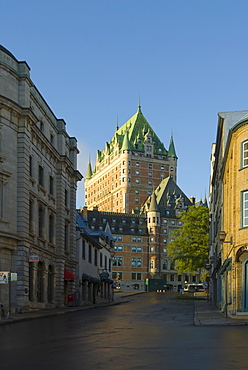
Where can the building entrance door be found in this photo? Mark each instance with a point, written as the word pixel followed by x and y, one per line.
pixel 245 287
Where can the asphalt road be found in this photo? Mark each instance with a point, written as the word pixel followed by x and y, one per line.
pixel 152 331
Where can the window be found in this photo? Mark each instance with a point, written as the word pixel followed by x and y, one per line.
pixel 30 166
pixel 151 249
pixel 137 164
pixel 136 262
pixel 149 193
pixel 116 275
pixel 137 172
pixel 51 229
pixel 41 222
pixel 100 259
pixel 165 231
pixel 165 265
pixel 136 200
pixel 117 261
pixel 149 174
pixel 95 257
pixel 41 176
pixel 136 249
pixel 179 277
pixel 171 168
pixel 83 249
pixel 162 168
pixel 66 198
pixel 51 185
pixel 137 181
pixel 165 241
pixel 90 254
pixel 118 248
pixel 172 277
pixel 136 191
pixel 136 276
pixel 149 182
pixel 150 166
pixel 245 154
pixel 173 222
pixel 245 209
pixel 151 264
pixel 31 215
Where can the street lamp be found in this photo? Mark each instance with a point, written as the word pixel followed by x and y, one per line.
pixel 222 237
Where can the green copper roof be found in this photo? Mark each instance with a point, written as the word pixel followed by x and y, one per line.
pixel 172 151
pixel 132 135
pixel 89 172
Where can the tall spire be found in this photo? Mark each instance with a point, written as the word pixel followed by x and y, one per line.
pixel 139 106
pixel 172 150
pixel 89 171
pixel 117 125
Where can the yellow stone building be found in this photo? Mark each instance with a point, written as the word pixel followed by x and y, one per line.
pixel 229 214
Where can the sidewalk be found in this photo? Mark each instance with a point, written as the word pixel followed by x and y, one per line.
pixel 207 315
pixel 119 297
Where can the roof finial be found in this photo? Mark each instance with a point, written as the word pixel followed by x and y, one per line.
pixel 139 106
pixel 117 126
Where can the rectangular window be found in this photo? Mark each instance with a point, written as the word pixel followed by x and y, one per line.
pixel 118 248
pixel 30 166
pixel 116 275
pixel 95 257
pixel 245 209
pixel 41 222
pixel 245 154
pixel 41 176
pixel 66 198
pixel 83 249
pixel 31 215
pixel 90 254
pixel 51 229
pixel 100 259
pixel 51 185
pixel 117 261
pixel 136 262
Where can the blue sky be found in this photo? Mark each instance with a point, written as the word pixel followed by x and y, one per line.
pixel 187 59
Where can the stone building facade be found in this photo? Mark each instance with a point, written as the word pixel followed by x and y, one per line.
pixel 130 166
pixel 229 214
pixel 38 181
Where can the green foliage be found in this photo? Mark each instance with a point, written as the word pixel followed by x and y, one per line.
pixel 190 248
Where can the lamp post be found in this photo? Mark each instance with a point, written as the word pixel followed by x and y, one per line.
pixel 222 237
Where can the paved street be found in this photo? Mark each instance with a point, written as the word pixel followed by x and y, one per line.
pixel 151 331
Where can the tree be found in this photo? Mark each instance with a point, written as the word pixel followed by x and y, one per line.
pixel 189 249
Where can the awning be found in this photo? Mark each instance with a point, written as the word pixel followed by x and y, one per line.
pixel 68 275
